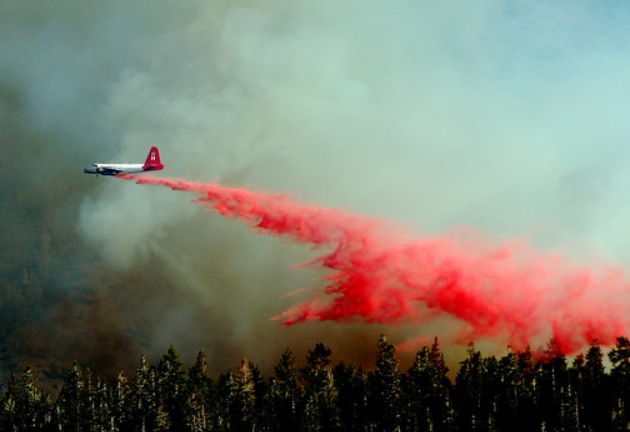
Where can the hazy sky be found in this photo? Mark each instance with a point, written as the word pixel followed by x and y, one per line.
pixel 506 116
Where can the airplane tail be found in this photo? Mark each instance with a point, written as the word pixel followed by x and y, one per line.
pixel 153 162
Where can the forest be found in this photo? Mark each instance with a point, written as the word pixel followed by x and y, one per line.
pixel 519 391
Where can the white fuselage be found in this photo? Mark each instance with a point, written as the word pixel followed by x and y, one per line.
pixel 152 163
pixel 113 169
pixel 123 168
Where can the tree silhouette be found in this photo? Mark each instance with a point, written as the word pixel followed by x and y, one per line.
pixel 592 385
pixel 386 388
pixel 24 406
pixel 201 394
pixel 512 393
pixel 320 397
pixel 143 400
pixel 555 396
pixel 70 409
pixel 173 391
pixel 620 377
pixel 470 398
pixel 284 399
pixel 353 393
pixel 427 392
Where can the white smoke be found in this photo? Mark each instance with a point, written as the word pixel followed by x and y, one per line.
pixel 506 116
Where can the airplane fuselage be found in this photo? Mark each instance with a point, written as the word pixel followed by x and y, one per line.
pixel 113 169
pixel 152 163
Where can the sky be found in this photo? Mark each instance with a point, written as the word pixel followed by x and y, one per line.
pixel 505 117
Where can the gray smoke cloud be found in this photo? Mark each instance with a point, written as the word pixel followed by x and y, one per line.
pixel 505 116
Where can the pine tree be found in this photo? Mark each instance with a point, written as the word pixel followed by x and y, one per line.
pixel 173 390
pixel 527 417
pixel 471 403
pixel 24 406
pixel 70 407
pixel 320 409
pixel 386 388
pixel 593 395
pixel 261 387
pixel 235 406
pixel 509 385
pixel 220 419
pixel 515 392
pixel 353 393
pixel 121 404
pixel 202 394
pixel 243 408
pixel 98 411
pixel 427 392
pixel 143 399
pixel 554 395
pixel 285 395
pixel 620 377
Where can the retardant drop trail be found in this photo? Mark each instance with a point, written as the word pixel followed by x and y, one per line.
pixel 508 292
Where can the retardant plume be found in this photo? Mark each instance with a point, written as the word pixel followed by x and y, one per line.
pixel 510 116
pixel 505 291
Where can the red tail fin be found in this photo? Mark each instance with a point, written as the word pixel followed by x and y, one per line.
pixel 153 161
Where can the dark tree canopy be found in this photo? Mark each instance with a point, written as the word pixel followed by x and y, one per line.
pixel 515 392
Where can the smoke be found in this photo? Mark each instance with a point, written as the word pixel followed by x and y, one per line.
pixel 508 117
pixel 498 291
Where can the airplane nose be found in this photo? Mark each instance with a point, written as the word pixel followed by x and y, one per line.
pixel 89 170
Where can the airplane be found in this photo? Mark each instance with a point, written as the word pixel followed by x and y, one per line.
pixel 151 164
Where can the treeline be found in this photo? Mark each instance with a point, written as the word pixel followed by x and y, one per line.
pixel 516 392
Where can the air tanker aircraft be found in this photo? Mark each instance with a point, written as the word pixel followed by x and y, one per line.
pixel 151 164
